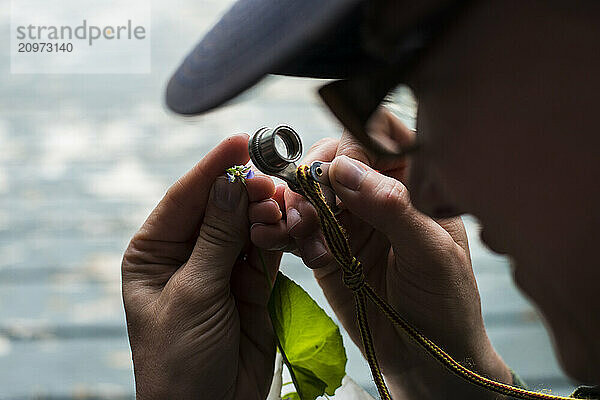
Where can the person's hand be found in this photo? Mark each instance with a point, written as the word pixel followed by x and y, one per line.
pixel 421 266
pixel 196 294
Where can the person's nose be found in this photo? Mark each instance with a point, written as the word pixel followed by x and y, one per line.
pixel 427 193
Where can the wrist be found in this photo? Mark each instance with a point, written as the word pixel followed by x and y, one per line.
pixel 429 379
pixel 155 380
pixel 172 377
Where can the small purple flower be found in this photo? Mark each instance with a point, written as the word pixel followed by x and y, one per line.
pixel 250 174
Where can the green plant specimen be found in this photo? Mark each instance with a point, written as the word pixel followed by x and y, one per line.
pixel 310 341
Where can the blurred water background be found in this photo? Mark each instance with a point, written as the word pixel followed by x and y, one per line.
pixel 84 158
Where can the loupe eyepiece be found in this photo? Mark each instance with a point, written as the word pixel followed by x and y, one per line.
pixel 275 152
pixel 271 150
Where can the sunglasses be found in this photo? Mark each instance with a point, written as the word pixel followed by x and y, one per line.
pixel 355 101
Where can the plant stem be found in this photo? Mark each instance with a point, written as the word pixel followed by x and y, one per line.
pixel 278 342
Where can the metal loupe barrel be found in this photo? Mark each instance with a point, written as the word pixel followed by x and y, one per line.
pixel 274 150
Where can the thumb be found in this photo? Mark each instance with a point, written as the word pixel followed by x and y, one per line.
pixel 384 203
pixel 222 236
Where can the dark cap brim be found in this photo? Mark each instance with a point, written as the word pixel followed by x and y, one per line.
pixel 258 37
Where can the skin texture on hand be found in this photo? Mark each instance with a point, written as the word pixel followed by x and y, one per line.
pixel 195 292
pixel 419 265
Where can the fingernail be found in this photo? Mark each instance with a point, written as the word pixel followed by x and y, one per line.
pixel 293 218
pixel 256 224
pixel 227 195
pixel 314 252
pixel 348 172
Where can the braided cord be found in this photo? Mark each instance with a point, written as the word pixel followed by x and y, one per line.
pixel 353 277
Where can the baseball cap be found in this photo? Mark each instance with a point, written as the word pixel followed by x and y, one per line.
pixel 310 38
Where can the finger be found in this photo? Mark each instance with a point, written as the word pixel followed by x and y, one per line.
pixel 322 150
pixel 266 212
pixel 278 196
pixel 396 168
pixel 350 146
pixel 303 225
pixel 260 187
pixel 178 215
pixel 251 284
pixel 456 229
pixel 314 251
pixel 394 129
pixel 301 217
pixel 271 236
pixel 384 124
pixel 385 203
pixel 222 236
pixel 252 279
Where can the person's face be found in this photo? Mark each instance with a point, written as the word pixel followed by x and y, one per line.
pixel 508 129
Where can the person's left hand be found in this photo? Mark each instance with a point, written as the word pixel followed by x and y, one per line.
pixel 195 291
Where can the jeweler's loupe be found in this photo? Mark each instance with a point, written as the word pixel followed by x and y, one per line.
pixel 275 152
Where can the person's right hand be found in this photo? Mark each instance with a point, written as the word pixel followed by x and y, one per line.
pixel 420 266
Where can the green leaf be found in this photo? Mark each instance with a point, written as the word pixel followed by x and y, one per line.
pixel 312 345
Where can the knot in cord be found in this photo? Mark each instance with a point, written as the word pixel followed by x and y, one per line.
pixel 354 277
